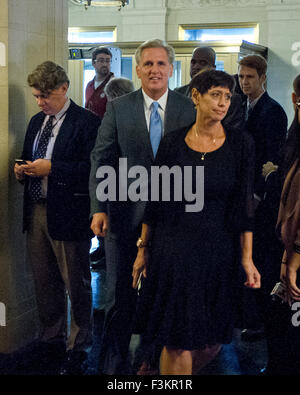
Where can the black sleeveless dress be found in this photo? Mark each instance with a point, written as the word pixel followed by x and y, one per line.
pixel 188 297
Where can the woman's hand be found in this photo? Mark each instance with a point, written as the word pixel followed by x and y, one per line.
pixel 283 273
pixel 292 266
pixel 252 274
pixel 140 266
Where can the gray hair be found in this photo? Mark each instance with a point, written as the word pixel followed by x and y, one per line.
pixel 118 87
pixel 155 43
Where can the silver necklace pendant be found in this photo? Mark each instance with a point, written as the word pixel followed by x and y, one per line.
pixel 203 155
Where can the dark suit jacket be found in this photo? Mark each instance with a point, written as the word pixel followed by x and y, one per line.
pixel 124 134
pixel 67 195
pixel 267 124
pixel 235 117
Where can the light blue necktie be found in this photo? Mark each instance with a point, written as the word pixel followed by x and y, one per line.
pixel 155 127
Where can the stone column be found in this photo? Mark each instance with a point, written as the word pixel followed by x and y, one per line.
pixel 31 32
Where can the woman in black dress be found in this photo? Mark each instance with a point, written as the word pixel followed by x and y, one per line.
pixel 191 264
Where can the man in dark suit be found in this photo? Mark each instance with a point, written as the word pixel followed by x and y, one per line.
pixel 203 58
pixel 57 149
pixel 266 121
pixel 127 132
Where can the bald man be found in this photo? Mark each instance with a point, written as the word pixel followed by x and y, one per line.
pixel 203 58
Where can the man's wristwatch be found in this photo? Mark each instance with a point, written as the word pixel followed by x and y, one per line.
pixel 141 244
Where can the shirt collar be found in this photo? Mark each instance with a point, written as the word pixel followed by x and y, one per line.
pixel 254 102
pixel 162 101
pixel 65 108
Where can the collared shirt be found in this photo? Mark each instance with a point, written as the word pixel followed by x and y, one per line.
pixel 57 122
pixel 97 83
pixel 162 101
pixel 251 105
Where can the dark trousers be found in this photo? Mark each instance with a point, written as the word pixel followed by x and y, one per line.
pixel 120 304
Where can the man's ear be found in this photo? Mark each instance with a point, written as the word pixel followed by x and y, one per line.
pixel 137 69
pixel 263 79
pixel 294 98
pixel 195 96
pixel 65 87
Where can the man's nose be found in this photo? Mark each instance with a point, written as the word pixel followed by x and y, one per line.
pixel 39 100
pixel 154 68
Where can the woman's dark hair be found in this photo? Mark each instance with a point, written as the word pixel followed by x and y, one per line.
pixel 292 149
pixel 208 79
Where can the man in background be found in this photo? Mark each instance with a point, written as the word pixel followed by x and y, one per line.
pixel 95 98
pixel 96 101
pixel 266 121
pixel 203 58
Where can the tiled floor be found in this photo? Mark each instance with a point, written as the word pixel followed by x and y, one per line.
pixel 237 358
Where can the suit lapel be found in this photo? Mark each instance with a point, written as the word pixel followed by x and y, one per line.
pixel 35 129
pixel 259 106
pixel 65 132
pixel 141 124
pixel 173 110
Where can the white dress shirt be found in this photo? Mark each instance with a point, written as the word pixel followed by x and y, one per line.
pixel 162 101
pixel 57 122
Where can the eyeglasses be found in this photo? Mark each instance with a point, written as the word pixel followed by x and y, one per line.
pixel 101 60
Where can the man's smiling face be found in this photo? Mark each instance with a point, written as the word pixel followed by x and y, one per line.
pixel 154 71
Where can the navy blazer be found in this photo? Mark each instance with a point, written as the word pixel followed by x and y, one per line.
pixel 267 124
pixel 67 195
pixel 124 134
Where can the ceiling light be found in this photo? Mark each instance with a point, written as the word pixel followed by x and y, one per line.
pixel 99 3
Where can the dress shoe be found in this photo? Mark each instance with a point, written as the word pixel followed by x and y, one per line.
pixel 252 335
pixel 74 363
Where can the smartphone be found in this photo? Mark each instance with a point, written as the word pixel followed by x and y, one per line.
pixel 20 162
pixel 279 291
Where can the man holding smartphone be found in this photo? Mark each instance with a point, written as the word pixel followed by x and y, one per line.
pixel 56 151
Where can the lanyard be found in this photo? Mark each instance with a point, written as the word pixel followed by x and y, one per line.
pixel 36 144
